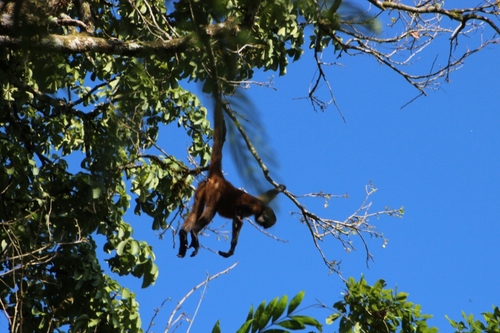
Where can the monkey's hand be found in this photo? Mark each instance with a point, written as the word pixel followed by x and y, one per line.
pixel 226 254
pixel 281 187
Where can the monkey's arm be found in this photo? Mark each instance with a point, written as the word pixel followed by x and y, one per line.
pixel 237 224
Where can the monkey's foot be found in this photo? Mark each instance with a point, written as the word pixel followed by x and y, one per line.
pixel 182 251
pixel 195 252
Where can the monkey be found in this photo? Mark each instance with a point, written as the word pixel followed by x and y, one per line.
pixel 217 195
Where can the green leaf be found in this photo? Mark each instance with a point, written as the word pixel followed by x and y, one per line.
pixel 266 315
pixel 133 247
pixel 80 322
pixel 151 273
pixel 216 328
pixel 250 313
pixel 280 308
pixel 331 318
pixel 121 247
pixel 125 293
pixel 259 317
pixel 295 302
pixel 96 193
pixel 245 328
pixel 291 324
pixel 309 321
pixel 401 297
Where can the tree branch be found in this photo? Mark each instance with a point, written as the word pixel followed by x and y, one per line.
pixel 73 44
pixel 171 320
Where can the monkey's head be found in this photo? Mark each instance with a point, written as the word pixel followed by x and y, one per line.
pixel 267 218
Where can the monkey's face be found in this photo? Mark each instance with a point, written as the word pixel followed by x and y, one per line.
pixel 266 219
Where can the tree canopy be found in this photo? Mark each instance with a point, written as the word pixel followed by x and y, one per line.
pixel 86 87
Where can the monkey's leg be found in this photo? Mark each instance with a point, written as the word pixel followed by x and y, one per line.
pixel 202 222
pixel 237 224
pixel 187 226
pixel 195 243
pixel 190 221
pixel 183 243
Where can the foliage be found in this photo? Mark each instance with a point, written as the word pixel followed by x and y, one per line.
pixel 469 325
pixel 270 318
pixel 368 308
pixel 85 88
pixel 364 308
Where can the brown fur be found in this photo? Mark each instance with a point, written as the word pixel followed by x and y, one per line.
pixel 217 195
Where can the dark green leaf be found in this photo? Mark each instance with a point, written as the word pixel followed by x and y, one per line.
pixel 291 324
pixel 280 308
pixel 295 302
pixel 216 328
pixel 245 328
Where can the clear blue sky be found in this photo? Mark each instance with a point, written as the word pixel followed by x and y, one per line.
pixel 438 157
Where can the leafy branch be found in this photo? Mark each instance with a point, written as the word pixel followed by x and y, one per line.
pixel 271 318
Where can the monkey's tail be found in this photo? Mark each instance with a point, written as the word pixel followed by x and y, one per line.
pixel 219 136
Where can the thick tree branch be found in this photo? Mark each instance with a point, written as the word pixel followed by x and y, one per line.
pixel 74 44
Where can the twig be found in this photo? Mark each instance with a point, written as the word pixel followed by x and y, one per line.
pixel 179 304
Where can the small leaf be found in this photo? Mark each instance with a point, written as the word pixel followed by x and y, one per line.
pixel 280 308
pixel 309 321
pixel 331 318
pixel 133 248
pixel 401 297
pixel 125 293
pixel 216 328
pixel 295 302
pixel 291 324
pixel 245 328
pixel 259 317
pixel 96 193
pixel 120 247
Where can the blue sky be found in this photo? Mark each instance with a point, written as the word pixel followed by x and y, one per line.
pixel 437 157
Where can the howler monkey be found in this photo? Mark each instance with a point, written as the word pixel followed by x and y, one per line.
pixel 217 195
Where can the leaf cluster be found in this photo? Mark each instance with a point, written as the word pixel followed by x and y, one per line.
pixel 491 323
pixel 271 317
pixel 366 308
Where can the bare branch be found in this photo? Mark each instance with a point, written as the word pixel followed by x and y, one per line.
pixel 320 228
pixel 171 319
pixel 414 28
